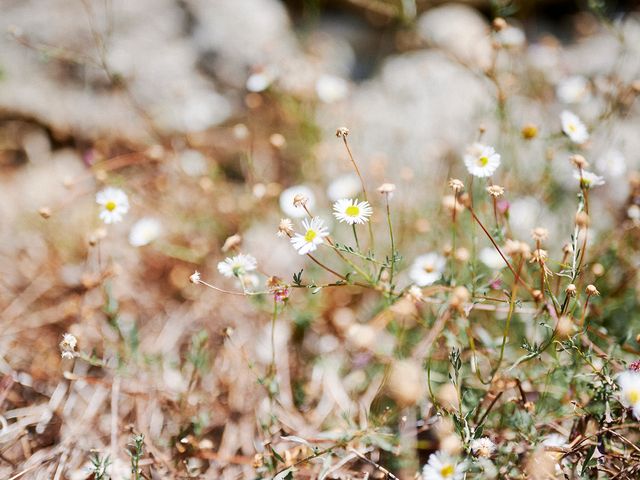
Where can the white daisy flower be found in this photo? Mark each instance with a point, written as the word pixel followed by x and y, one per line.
pixel 287 196
pixel 345 186
pixel 574 89
pixel 351 211
pixel 330 88
pixel 144 231
pixel 314 233
pixel 481 160
pixel 629 383
pixel 482 447
pixel 114 203
pixel 442 467
pixel 427 269
pixel 555 440
pixel 573 127
pixel 237 266
pixel 588 179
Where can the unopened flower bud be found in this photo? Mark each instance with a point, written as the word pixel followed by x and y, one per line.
pixel 499 24
pixel 582 219
pixel 579 161
pixel 45 212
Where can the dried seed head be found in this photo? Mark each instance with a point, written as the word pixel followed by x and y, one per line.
pixel 456 184
pixel 529 131
pixel 387 188
pixel 495 191
pixel 540 234
pixel 582 219
pixel 285 228
pixel 571 290
pixel 45 212
pixel 232 242
pixel 499 24
pixel 567 249
pixel 578 161
pixel 462 254
pixel 539 256
pixel 342 132
pixel 195 277
pixel 482 447
pixel 592 290
pixel 300 200
pixel 68 346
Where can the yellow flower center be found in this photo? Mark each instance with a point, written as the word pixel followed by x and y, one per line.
pixel 482 161
pixel 447 471
pixel 110 205
pixel 310 235
pixel 633 396
pixel 571 127
pixel 428 268
pixel 352 211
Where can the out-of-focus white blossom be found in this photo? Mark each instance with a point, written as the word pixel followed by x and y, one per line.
pixel 330 88
pixel 345 186
pixel 145 231
pixel 573 127
pixel 427 269
pixel 573 89
pixel 237 266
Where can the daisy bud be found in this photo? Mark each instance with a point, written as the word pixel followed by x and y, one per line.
pixel 456 184
pixel 540 234
pixel 459 297
pixel 592 290
pixel 499 24
pixel 582 219
pixel 342 132
pixel 277 140
pixel 567 249
pixel 195 277
pixel 45 212
pixel 462 254
pixel 571 290
pixel 578 161
pixel 285 228
pixel 387 188
pixel 232 242
pixel 537 295
pixel 495 191
pixel 529 131
pixel 447 397
pixel 636 86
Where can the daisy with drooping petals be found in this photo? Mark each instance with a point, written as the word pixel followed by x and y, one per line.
pixel 144 231
pixel 573 127
pixel 352 211
pixel 588 179
pixel 629 383
pixel 442 467
pixel 427 269
pixel 314 233
pixel 237 266
pixel 481 160
pixel 114 204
